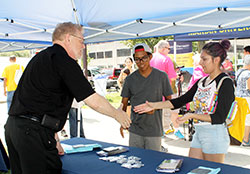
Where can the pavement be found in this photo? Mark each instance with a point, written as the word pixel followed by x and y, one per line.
pixel 102 128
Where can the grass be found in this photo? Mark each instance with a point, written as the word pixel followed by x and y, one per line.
pixel 114 99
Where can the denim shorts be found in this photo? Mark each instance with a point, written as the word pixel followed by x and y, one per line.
pixel 212 139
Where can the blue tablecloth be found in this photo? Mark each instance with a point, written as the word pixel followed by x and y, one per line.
pixel 4 160
pixel 89 162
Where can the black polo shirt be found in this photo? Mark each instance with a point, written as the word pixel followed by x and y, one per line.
pixel 48 85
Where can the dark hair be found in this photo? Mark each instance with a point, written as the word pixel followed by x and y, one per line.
pixel 129 59
pixel 12 57
pixel 140 47
pixel 127 71
pixel 247 49
pixel 217 49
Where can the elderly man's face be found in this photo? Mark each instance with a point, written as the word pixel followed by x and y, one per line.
pixel 76 45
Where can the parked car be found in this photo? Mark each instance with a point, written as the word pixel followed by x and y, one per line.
pixel 113 75
pixel 92 72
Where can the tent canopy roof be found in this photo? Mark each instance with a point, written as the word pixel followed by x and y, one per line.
pixel 30 21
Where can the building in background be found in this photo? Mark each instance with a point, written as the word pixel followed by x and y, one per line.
pixel 108 54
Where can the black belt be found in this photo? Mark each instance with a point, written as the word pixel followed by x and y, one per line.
pixel 31 117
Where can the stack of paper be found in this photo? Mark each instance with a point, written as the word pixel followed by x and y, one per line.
pixel 170 165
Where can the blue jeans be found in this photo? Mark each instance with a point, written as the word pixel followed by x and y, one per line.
pixel 9 98
pixel 73 126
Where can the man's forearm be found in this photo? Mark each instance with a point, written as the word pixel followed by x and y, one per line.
pixel 101 105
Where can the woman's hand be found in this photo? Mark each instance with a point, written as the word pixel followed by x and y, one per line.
pixel 144 108
pixel 184 118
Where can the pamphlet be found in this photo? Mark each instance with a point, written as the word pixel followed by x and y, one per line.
pixel 109 151
pixel 170 165
pixel 204 170
pixel 79 147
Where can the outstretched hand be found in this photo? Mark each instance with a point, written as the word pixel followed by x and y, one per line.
pixel 144 108
pixel 183 119
pixel 123 118
pixel 59 148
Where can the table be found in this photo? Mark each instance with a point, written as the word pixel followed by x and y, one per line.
pixel 89 162
pixel 4 160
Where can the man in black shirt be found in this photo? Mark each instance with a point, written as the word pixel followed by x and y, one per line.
pixel 43 99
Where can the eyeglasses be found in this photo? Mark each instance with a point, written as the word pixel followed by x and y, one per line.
pixel 78 37
pixel 168 48
pixel 143 59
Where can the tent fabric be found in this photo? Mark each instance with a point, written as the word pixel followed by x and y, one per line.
pixel 110 20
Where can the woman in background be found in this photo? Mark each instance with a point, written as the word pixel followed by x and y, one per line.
pixel 243 90
pixel 122 78
pixel 129 69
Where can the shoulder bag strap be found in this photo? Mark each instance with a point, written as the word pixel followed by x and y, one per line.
pixel 220 82
pixel 201 80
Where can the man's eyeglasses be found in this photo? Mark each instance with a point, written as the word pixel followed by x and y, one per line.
pixel 143 59
pixel 78 37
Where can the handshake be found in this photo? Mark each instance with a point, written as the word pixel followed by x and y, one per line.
pixel 123 118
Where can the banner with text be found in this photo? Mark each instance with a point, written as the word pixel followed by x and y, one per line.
pixel 184 55
pixel 231 33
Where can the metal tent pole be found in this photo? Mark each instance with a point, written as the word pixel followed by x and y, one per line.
pixel 235 54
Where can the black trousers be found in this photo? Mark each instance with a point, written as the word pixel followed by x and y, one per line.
pixel 32 147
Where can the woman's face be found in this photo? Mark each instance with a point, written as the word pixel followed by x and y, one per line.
pixel 128 63
pixel 207 62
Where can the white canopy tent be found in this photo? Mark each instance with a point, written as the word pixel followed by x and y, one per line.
pixel 26 24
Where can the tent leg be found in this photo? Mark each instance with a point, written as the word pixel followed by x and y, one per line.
pixel 85 62
pixel 235 54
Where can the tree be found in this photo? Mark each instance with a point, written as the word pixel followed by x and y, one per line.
pixel 151 42
pixel 24 53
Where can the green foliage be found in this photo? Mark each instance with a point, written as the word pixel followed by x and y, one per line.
pixel 114 98
pixel 197 46
pixel 24 53
pixel 151 42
